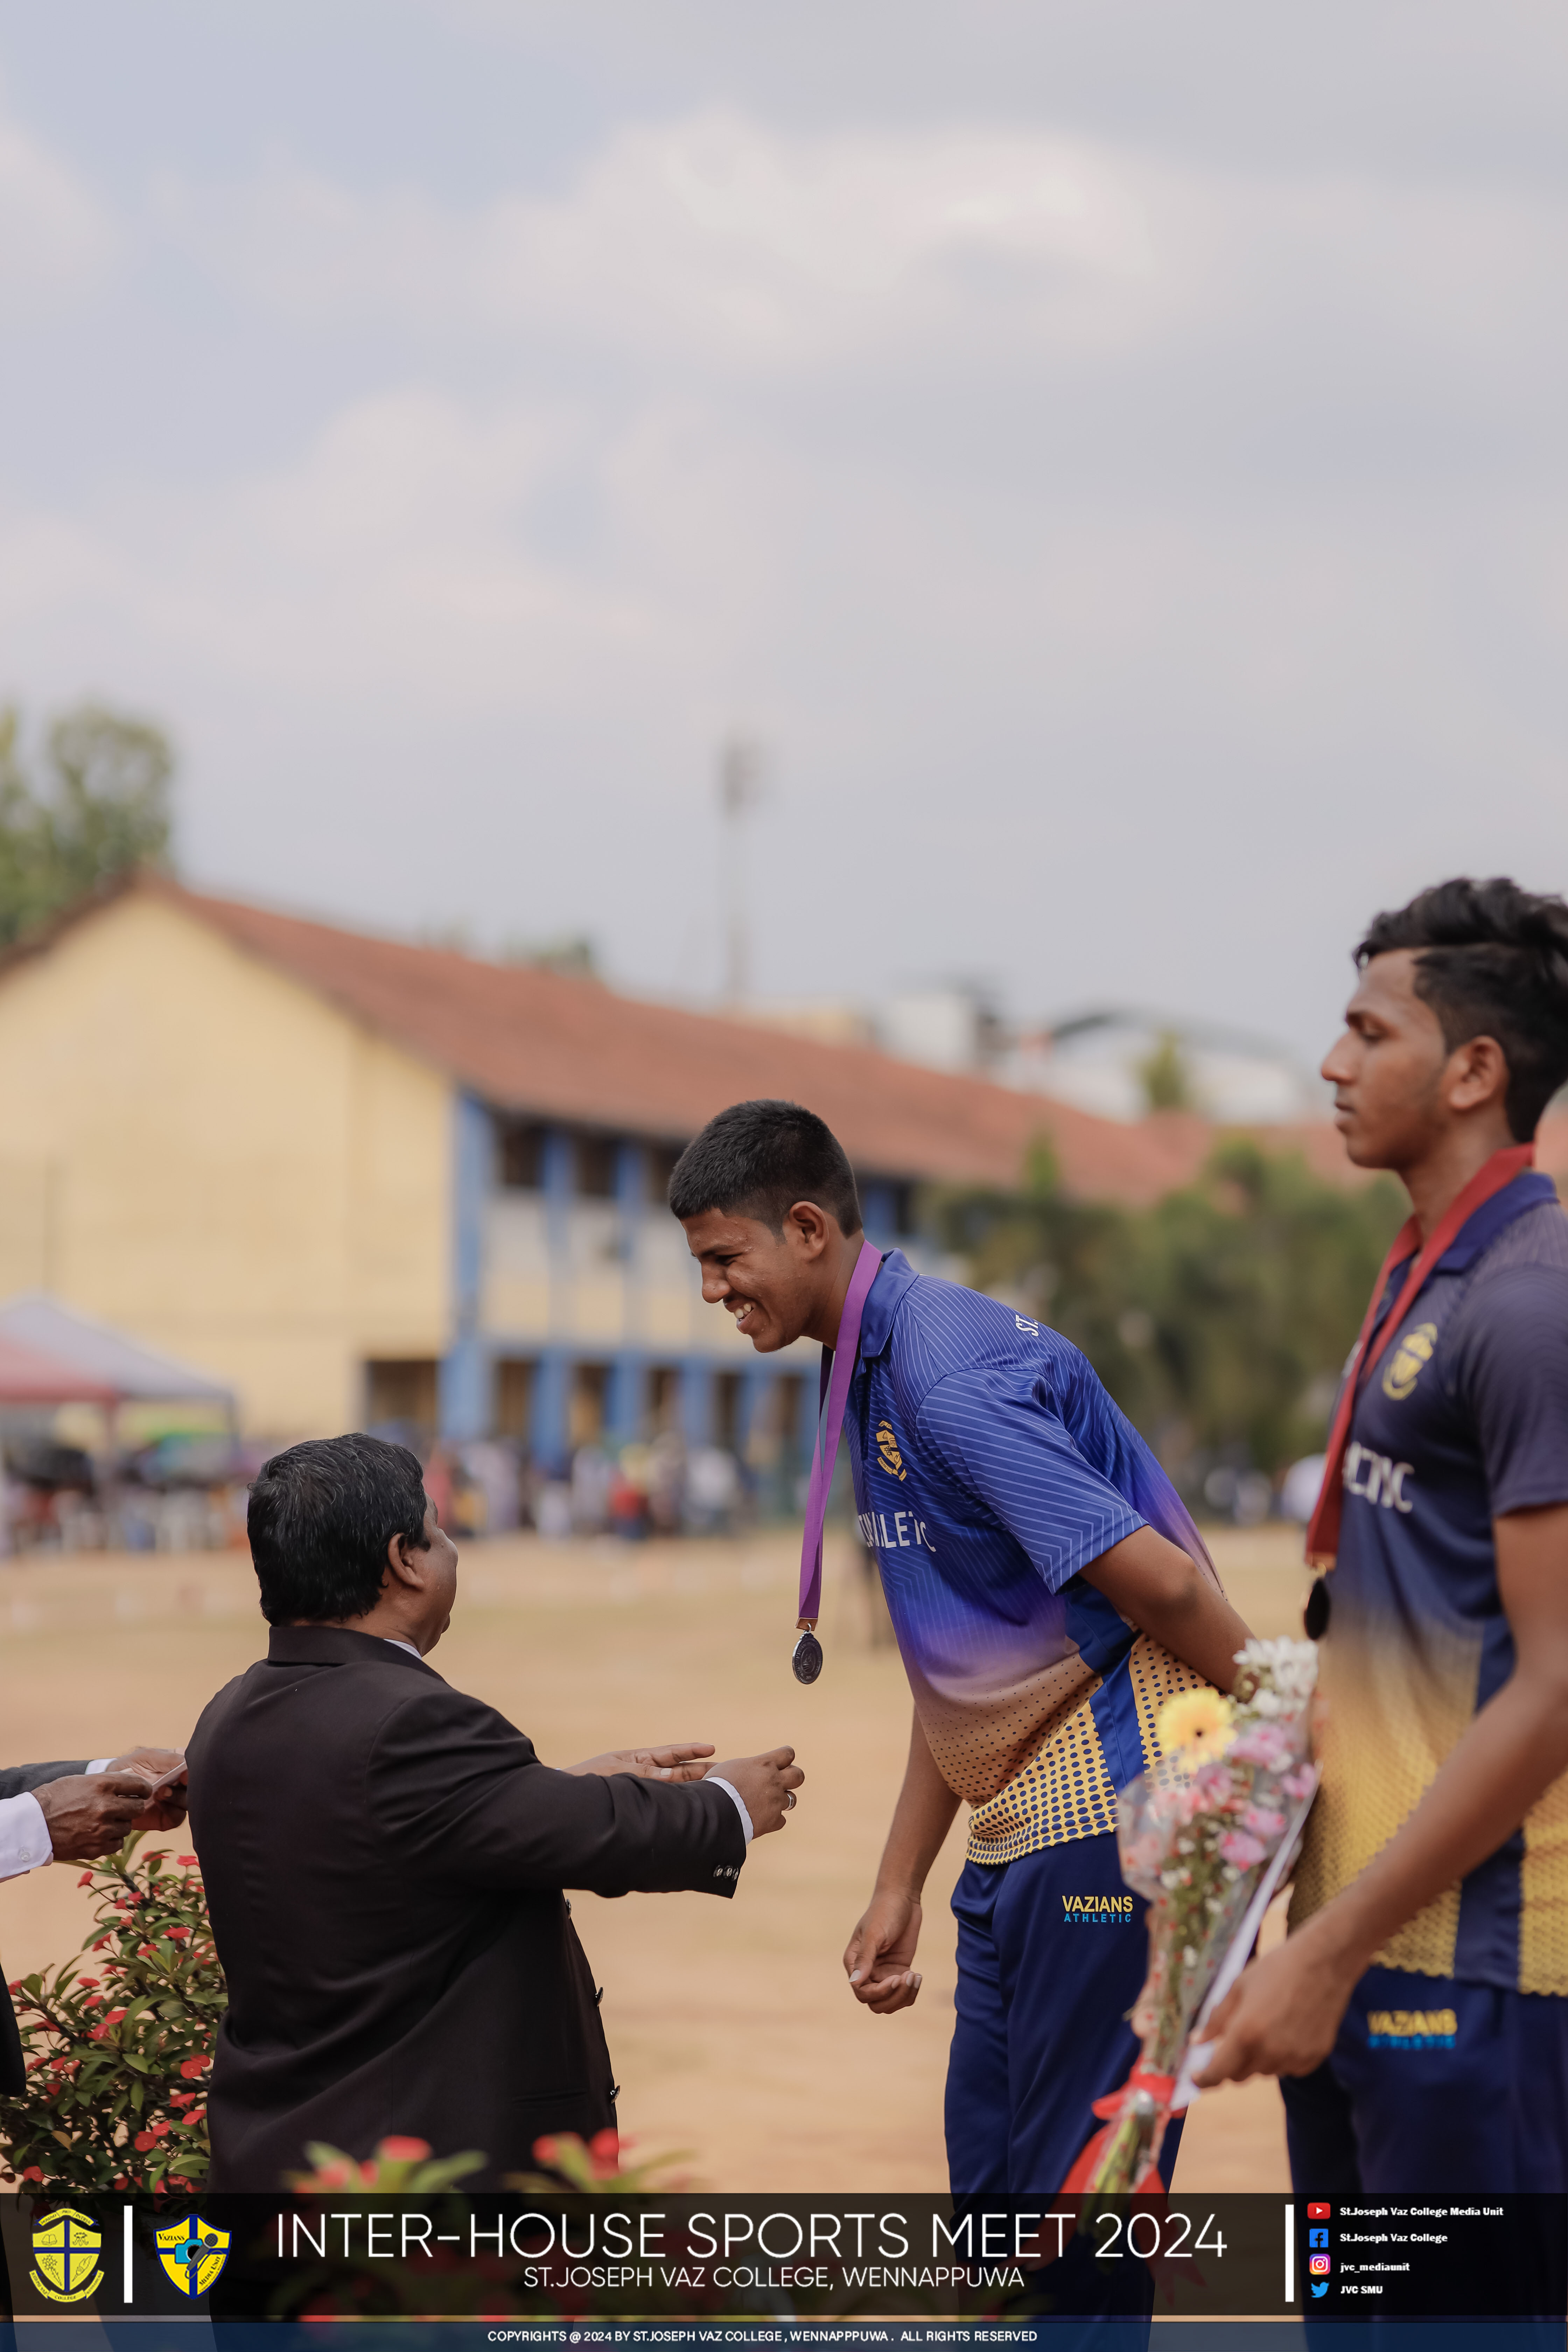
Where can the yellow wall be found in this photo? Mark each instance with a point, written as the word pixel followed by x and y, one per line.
pixel 209 1155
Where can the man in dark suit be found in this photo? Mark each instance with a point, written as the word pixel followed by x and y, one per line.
pixel 75 1812
pixel 385 1858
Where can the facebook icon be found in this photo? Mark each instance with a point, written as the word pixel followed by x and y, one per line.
pixel 1317 2237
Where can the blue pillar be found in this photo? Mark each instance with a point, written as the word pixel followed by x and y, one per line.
pixel 697 1403
pixel 464 1400
pixel 624 1399
pixel 550 1436
pixel 880 1210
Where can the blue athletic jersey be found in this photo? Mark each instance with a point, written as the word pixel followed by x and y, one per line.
pixel 990 1466
pixel 1464 1419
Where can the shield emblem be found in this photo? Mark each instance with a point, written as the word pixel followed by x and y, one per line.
pixel 193 2253
pixel 67 2246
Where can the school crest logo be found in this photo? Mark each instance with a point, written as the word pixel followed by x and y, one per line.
pixel 66 2249
pixel 193 2253
pixel 1405 1364
pixel 887 1452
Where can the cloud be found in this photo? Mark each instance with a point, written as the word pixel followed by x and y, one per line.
pixel 55 241
pixel 1059 509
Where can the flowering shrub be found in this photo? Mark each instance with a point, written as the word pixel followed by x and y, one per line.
pixel 119 2039
pixel 595 2165
pixel 399 2167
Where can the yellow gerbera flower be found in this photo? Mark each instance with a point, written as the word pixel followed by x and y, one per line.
pixel 1197 1721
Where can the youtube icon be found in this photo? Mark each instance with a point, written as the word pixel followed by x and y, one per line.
pixel 1319 2212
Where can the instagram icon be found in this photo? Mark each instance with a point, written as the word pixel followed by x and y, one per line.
pixel 1320 2265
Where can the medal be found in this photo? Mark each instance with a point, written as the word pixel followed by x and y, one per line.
pixel 805 1659
pixel 837 1366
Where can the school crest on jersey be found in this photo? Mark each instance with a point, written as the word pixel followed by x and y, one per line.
pixel 1412 1353
pixel 887 1452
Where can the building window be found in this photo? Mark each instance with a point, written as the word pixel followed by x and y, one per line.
pixel 402 1389
pixel 727 1410
pixel 514 1398
pixel 596 1167
pixel 586 1409
pixel 521 1154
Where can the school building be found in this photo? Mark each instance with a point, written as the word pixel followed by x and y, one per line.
pixel 357 1180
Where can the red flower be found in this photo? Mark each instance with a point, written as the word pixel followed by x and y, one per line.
pixel 545 2150
pixel 191 2067
pixel 33 2172
pixel 178 1934
pixel 604 2149
pixel 187 1861
pixel 143 2142
pixel 403 2151
pixel 181 2099
pixel 88 1981
pixel 85 1880
pixel 15 1988
pixel 101 1943
pixel 161 2129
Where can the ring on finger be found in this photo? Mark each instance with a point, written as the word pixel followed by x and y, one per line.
pixel 789 1801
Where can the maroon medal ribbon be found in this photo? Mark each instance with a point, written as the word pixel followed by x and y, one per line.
pixel 1323 1529
pixel 838 1367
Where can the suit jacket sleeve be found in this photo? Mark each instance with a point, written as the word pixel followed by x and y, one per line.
pixel 456 1788
pixel 19 1779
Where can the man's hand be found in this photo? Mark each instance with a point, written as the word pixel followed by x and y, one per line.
pixel 1282 2015
pixel 91 1813
pixel 877 1956
pixel 677 1760
pixel 167 1809
pixel 765 1784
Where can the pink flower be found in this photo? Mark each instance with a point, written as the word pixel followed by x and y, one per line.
pixel 403 2151
pixel 1297 1784
pixel 1265 1744
pixel 1244 1850
pixel 1262 1821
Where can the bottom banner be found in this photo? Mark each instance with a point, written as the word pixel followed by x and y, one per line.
pixel 659 2272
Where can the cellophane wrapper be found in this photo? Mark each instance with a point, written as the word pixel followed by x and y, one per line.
pixel 1195 1838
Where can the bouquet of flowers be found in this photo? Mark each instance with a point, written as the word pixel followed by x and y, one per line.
pixel 1208 1836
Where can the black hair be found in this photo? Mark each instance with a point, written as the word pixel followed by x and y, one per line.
pixel 757 1159
pixel 321 1518
pixel 1493 963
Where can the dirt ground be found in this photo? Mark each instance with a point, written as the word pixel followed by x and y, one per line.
pixel 733 2034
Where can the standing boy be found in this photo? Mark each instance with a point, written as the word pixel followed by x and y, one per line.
pixel 1420 2005
pixel 1045 1585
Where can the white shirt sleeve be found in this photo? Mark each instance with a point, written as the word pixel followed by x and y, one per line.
pixel 24 1836
pixel 739 1803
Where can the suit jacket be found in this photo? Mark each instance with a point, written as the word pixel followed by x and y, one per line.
pixel 18 1780
pixel 385 1860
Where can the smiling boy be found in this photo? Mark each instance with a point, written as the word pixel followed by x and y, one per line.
pixel 1045 1585
pixel 1420 2005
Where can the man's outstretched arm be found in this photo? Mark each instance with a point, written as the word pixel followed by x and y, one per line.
pixel 1154 1584
pixel 1284 2014
pixel 877 1959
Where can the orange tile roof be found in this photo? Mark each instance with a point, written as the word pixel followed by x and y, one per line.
pixel 534 1041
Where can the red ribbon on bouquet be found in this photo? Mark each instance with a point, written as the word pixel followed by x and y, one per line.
pixel 1323 1529
pixel 838 1370
pixel 1162 2089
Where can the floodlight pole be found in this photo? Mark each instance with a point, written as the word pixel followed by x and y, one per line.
pixel 740 790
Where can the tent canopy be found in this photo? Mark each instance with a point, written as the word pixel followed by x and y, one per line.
pixel 28 1378
pixel 118 1370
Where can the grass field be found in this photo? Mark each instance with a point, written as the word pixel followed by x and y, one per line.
pixel 733 2032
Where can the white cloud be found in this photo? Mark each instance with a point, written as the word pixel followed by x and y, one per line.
pixel 55 239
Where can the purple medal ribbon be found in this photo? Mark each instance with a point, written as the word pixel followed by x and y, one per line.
pixel 807 1658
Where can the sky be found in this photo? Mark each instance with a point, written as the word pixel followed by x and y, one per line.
pixel 1110 455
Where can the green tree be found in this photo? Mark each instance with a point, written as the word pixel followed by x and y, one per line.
pixel 1167 1083
pixel 1220 1317
pixel 100 807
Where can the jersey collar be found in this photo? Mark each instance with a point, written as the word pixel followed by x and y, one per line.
pixel 883 1301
